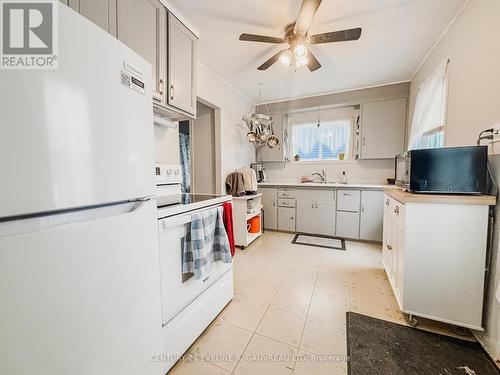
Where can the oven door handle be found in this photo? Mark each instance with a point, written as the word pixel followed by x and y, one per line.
pixel 175 221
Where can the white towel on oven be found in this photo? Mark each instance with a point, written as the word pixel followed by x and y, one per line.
pixel 206 242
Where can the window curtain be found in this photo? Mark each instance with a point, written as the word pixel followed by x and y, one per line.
pixel 185 162
pixel 430 105
pixel 323 142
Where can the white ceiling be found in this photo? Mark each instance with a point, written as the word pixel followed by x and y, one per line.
pixel 397 35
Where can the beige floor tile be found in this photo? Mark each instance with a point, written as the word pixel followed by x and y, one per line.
pixel 299 283
pixel 188 367
pixel 242 313
pixel 257 292
pixel 292 301
pixel 332 290
pixel 313 364
pixel 277 284
pixel 324 337
pixel 264 356
pixel 270 274
pixel 222 344
pixel 282 325
pixel 328 308
pixel 334 275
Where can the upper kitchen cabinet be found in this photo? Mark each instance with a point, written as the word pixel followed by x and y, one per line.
pixel 100 12
pixel 182 57
pixel 266 154
pixel 157 35
pixel 141 24
pixel 383 126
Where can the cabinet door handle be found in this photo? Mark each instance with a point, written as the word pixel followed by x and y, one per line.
pixel 387 202
pixel 362 208
pixel 161 86
pixel 364 141
pixel 396 210
pixel 172 92
pixel 389 247
pixel 291 217
pixel 347 194
pixel 274 202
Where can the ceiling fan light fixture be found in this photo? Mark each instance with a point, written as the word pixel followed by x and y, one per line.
pixel 286 58
pixel 301 62
pixel 300 51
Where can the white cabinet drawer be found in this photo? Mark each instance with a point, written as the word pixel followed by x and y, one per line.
pixel 286 193
pixel 286 202
pixel 348 224
pixel 348 200
pixel 315 194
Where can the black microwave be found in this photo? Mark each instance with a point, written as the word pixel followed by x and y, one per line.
pixel 449 170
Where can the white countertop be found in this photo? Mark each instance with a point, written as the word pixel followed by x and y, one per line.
pixel 335 185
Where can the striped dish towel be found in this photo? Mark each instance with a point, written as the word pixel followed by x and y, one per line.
pixel 206 242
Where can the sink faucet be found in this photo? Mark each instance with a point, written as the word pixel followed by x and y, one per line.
pixel 321 175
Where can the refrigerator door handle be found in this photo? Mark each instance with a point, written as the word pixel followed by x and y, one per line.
pixel 81 215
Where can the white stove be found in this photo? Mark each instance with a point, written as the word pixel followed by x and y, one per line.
pixel 188 305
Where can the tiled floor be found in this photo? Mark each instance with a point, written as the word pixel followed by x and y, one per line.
pixel 288 313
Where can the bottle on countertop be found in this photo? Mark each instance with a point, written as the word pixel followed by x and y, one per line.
pixel 344 177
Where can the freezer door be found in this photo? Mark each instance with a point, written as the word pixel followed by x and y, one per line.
pixel 77 135
pixel 82 297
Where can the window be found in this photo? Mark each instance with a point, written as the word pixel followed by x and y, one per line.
pixel 322 135
pixel 432 139
pixel 429 115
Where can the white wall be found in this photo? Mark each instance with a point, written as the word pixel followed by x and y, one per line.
pixel 366 171
pixel 235 151
pixel 166 145
pixel 203 150
pixel 471 44
pixel 358 171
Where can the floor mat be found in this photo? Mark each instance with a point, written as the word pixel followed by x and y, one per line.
pixel 379 347
pixel 319 241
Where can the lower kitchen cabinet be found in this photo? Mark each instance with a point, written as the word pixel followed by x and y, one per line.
pixel 316 217
pixel 434 254
pixel 270 203
pixel 372 212
pixel 286 219
pixel 348 224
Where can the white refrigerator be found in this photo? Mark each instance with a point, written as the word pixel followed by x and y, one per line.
pixel 79 278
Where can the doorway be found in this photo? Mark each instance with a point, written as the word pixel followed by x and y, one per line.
pixel 198 148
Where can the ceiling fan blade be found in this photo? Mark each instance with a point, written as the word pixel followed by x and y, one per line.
pixel 312 62
pixel 307 11
pixel 272 60
pixel 261 38
pixel 336 36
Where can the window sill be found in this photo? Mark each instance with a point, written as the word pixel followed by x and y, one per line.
pixel 306 162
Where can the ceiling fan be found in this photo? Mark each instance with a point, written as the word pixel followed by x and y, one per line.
pixel 296 35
